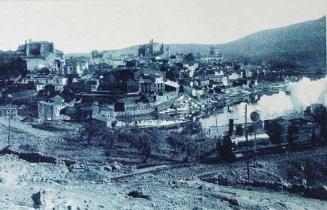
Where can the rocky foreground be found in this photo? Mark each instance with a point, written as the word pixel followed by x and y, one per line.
pixel 62 185
pixel 42 172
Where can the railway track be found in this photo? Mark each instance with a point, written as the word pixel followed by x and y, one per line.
pixel 195 169
pixel 153 169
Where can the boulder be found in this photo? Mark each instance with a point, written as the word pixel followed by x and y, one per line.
pixel 138 194
pixel 108 168
pixel 232 201
pixel 173 184
pixel 117 166
pixel 38 199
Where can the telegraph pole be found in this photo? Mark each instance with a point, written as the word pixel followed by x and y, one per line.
pixel 8 142
pixel 247 141
pixel 8 112
pixel 255 144
pixel 255 117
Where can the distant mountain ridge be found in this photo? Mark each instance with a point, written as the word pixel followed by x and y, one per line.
pixel 302 43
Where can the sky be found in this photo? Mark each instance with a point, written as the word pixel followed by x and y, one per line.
pixel 85 25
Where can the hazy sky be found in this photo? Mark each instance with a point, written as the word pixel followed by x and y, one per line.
pixel 81 26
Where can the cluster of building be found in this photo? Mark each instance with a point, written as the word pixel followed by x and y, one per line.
pixel 43 55
pixel 120 88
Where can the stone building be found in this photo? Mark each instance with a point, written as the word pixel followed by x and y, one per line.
pixel 152 50
pixel 51 110
pixel 38 54
pixel 36 49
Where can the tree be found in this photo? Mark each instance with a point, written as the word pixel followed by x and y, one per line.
pixel 183 148
pixel 192 128
pixel 218 90
pixel 108 138
pixel 12 67
pixel 131 63
pixel 145 146
pixel 237 67
pixel 71 89
pixel 89 132
pixel 191 152
pixel 48 91
pixel 176 142
pixel 44 71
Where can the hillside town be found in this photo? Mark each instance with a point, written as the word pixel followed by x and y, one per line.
pixel 119 90
pixel 150 88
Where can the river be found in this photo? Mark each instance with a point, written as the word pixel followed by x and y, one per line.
pixel 300 95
